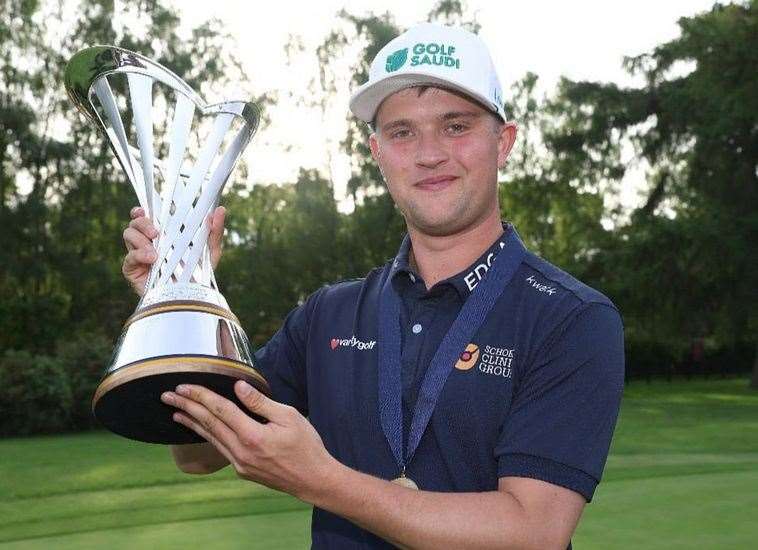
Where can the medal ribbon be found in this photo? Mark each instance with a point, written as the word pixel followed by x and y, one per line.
pixel 466 324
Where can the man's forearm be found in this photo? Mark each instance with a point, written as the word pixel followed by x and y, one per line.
pixel 425 519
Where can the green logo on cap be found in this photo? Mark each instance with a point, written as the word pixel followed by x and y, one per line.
pixel 396 60
pixel 435 54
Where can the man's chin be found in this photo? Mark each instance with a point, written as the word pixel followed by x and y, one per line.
pixel 443 226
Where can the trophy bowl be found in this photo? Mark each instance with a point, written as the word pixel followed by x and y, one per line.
pixel 177 152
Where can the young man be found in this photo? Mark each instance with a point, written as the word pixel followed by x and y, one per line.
pixel 463 395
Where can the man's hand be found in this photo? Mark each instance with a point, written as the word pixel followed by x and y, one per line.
pixel 141 254
pixel 286 454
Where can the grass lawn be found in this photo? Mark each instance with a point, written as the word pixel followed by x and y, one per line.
pixel 683 473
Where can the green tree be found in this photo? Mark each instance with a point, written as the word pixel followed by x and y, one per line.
pixel 63 200
pixel 557 212
pixel 686 258
pixel 284 243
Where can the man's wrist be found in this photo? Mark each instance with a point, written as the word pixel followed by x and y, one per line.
pixel 327 483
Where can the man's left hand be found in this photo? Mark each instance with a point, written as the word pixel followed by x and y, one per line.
pixel 286 454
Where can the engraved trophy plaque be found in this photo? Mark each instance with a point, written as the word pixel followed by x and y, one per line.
pixel 178 153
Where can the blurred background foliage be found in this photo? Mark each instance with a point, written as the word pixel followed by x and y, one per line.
pixel 681 267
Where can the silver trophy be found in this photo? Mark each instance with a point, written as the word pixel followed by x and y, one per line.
pixel 178 153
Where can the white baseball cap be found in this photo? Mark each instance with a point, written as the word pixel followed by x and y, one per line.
pixel 435 55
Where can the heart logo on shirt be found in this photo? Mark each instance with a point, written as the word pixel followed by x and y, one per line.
pixel 334 343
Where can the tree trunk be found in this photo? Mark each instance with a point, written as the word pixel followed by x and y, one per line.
pixel 754 380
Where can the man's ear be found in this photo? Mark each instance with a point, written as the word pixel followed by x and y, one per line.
pixel 374 146
pixel 506 139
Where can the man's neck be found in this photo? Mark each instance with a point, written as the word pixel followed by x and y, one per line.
pixel 437 258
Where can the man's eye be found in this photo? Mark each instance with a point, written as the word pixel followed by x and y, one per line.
pixel 456 128
pixel 399 134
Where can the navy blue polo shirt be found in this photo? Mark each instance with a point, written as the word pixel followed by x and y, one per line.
pixel 535 393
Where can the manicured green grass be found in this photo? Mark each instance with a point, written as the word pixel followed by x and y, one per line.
pixel 683 470
pixel 683 473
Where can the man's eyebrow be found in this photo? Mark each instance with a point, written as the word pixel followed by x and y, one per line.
pixel 451 115
pixel 460 114
pixel 395 124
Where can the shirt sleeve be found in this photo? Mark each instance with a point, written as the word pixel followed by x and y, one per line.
pixel 564 411
pixel 282 361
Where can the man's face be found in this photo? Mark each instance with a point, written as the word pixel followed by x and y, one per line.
pixel 439 153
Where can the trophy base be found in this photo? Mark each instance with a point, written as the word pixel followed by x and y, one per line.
pixel 128 400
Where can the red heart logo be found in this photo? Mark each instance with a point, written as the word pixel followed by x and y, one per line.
pixel 335 343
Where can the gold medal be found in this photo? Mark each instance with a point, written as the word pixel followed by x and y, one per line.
pixel 405 482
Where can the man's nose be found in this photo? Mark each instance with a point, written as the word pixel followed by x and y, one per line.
pixel 431 151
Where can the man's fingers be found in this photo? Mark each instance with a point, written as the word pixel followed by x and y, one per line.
pixel 139 257
pixel 139 233
pixel 197 427
pixel 262 405
pixel 216 235
pixel 209 411
pixel 220 407
pixel 135 239
pixel 136 212
pixel 219 216
pixel 145 226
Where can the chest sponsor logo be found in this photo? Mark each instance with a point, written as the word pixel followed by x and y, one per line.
pixel 351 342
pixel 468 358
pixel 473 277
pixel 490 360
pixel 540 287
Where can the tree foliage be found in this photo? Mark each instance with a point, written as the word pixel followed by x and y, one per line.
pixel 63 200
pixel 688 253
pixel 680 266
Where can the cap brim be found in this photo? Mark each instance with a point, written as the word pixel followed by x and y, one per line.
pixel 368 97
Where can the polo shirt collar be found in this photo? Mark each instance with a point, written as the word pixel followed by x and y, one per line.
pixel 463 282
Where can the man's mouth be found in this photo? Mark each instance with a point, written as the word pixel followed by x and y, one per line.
pixel 435 183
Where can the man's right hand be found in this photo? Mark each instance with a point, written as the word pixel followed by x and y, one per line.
pixel 141 254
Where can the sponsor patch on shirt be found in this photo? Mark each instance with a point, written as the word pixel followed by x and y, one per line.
pixel 540 287
pixel 473 277
pixel 490 360
pixel 351 342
